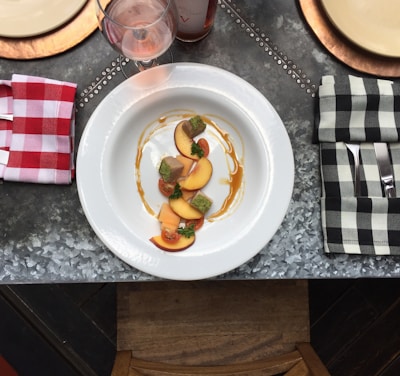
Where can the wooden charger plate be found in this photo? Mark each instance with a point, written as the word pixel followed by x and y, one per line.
pixel 54 42
pixel 343 49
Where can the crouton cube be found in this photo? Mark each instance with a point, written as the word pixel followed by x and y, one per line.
pixel 201 202
pixel 194 126
pixel 170 169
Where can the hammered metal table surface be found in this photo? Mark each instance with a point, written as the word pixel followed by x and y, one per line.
pixel 44 235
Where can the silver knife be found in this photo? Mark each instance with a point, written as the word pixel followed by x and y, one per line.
pixel 385 168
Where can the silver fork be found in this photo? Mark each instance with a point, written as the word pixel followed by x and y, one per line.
pixel 355 150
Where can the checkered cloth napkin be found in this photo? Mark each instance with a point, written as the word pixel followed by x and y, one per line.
pixel 358 110
pixel 38 145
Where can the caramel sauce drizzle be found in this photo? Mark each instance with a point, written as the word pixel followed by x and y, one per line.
pixel 235 175
pixel 235 180
pixel 139 184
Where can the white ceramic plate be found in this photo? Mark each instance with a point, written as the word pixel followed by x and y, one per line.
pixel 371 24
pixel 27 18
pixel 125 120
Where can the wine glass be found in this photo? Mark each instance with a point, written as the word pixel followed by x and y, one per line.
pixel 140 30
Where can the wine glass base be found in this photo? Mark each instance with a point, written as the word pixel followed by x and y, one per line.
pixel 131 67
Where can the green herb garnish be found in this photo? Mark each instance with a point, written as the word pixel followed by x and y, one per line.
pixel 177 193
pixel 187 232
pixel 197 150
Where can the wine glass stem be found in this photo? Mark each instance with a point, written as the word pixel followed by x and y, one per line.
pixel 146 64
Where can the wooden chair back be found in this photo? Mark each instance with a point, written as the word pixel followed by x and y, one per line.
pixel 214 328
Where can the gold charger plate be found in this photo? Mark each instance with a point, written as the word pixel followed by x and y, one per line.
pixel 371 24
pixel 54 42
pixel 342 48
pixel 27 18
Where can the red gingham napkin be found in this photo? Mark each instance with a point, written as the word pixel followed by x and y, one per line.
pixel 40 139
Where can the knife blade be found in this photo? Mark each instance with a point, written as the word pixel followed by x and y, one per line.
pixel 385 168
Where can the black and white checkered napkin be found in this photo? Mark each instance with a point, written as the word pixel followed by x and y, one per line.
pixel 358 110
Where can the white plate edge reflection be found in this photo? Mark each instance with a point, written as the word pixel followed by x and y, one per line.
pixel 185 266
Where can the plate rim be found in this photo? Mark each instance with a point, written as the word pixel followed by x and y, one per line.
pixel 173 71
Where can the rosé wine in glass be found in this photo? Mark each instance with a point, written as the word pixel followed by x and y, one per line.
pixel 141 30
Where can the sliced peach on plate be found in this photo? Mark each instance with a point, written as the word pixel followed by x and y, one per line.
pixel 183 142
pixel 180 245
pixel 187 164
pixel 184 209
pixel 199 176
pixel 187 195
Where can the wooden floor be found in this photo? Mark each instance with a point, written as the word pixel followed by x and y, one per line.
pixel 70 329
pixel 355 326
pixel 58 329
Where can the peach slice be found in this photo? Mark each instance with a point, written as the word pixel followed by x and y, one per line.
pixel 183 142
pixel 187 195
pixel 184 209
pixel 180 245
pixel 199 177
pixel 187 164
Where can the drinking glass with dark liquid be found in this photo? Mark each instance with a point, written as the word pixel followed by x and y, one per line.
pixel 195 19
